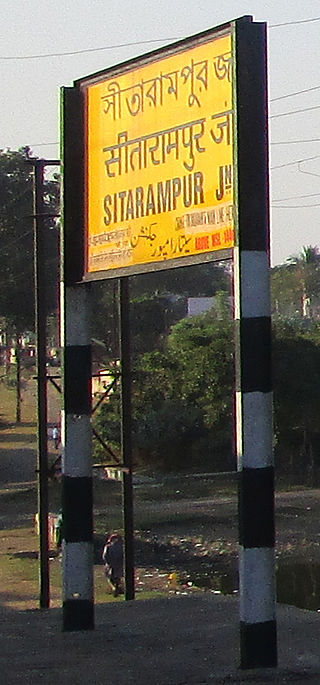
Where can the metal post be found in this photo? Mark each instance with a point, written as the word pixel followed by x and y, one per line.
pixel 18 381
pixel 40 317
pixel 77 529
pixel 42 413
pixel 126 443
pixel 258 634
pixel 77 542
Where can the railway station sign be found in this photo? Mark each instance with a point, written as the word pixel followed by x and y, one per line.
pixel 158 149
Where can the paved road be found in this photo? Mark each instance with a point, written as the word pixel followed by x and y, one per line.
pixel 178 641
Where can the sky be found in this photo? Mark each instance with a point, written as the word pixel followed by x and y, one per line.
pixel 31 80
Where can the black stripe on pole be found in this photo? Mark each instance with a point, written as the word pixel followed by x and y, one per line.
pixel 252 135
pixel 256 507
pixel 77 507
pixel 73 244
pixel 257 643
pixel 77 393
pixel 253 344
pixel 78 612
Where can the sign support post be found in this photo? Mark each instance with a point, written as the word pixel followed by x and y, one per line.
pixel 77 504
pixel 41 340
pixel 258 641
pixel 40 316
pixel 126 441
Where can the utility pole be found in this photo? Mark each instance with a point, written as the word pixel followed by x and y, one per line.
pixel 40 319
pixel 126 429
pixel 18 380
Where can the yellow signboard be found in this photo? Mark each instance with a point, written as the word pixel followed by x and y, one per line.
pixel 159 161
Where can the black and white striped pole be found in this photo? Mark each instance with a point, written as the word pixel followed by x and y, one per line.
pixel 258 642
pixel 77 535
pixel 77 552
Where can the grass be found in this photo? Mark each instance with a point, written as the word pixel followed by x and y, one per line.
pixel 19 564
pixel 19 573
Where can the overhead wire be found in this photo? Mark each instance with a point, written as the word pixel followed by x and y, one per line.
pixel 110 47
pixel 133 43
pixel 297 161
pixel 294 197
pixel 295 206
pixel 297 92
pixel 294 111
pixel 162 40
pixel 309 173
pixel 293 23
pixel 86 50
pixel 280 142
pixel 294 142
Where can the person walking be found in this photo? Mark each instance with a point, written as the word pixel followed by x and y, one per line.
pixel 112 555
pixel 55 437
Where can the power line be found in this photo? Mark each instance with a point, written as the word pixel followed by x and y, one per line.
pixel 293 142
pixel 295 111
pixel 43 144
pixel 295 206
pixel 293 23
pixel 125 45
pixel 81 52
pixel 280 142
pixel 295 197
pixel 297 92
pixel 279 166
pixel 309 173
pixel 297 161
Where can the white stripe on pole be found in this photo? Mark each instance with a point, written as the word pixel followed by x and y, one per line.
pixel 77 582
pixel 75 324
pixel 255 286
pixel 76 431
pixel 257 598
pixel 257 429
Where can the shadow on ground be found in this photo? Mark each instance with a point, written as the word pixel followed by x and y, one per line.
pixel 17 437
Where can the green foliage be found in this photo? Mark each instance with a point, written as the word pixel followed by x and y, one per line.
pixel 148 320
pixel 203 352
pixel 199 280
pixel 157 301
pixel 292 282
pixel 16 235
pixel 183 376
pixel 107 423
pixel 182 400
pixel 296 354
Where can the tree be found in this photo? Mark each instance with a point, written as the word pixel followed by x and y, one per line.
pixel 296 361
pixel 182 403
pixel 295 285
pixel 17 248
pixel 198 280
pixel 16 235
pixel 183 399
pixel 157 301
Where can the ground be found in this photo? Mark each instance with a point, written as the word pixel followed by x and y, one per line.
pixel 185 527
